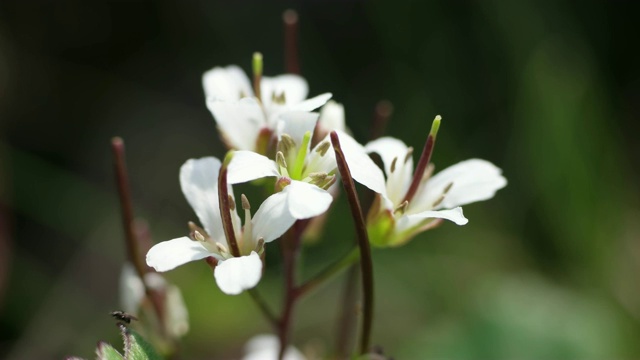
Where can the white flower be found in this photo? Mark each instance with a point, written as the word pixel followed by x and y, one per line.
pixel 303 174
pixel 392 220
pixel 132 294
pixel 199 182
pixel 331 118
pixel 246 122
pixel 267 347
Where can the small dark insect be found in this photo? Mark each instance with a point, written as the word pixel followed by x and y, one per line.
pixel 123 316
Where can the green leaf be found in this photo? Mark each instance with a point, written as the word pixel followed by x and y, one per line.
pixel 107 352
pixel 136 347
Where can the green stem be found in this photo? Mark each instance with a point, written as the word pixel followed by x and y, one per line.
pixel 366 263
pixel 264 308
pixel 329 273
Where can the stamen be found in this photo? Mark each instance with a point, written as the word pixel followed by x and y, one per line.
pixel 232 203
pixel 260 246
pixel 286 144
pixel 222 249
pixel 409 154
pixel 280 99
pixel 427 173
pixel 400 209
pixel 282 163
pixel 393 164
pixel 247 231
pixel 198 236
pixel 444 194
pixel 245 202
pixel 323 147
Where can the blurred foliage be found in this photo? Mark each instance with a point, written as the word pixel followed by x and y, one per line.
pixel 546 90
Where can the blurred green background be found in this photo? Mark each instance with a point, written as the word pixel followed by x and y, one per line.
pixel 548 91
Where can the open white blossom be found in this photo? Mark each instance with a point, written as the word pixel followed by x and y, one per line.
pixel 394 219
pixel 303 174
pixel 246 121
pixel 267 347
pixel 198 179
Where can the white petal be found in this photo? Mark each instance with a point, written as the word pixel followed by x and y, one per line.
pixel 311 104
pixel 319 163
pixel 131 289
pixel 294 87
pixel 237 274
pixel 226 83
pixel 473 180
pixel 305 200
pixel 272 218
pixel 332 117
pixel 239 121
pixel 363 169
pixel 388 148
pixel 177 316
pixel 199 182
pixel 267 347
pixel 296 124
pixel 170 254
pixel 454 215
pixel 247 165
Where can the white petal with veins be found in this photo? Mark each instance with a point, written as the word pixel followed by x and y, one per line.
pixel 199 182
pixel 170 254
pixel 247 165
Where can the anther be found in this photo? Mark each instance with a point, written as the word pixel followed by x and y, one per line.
pixel 323 147
pixel 401 208
pixel 221 248
pixel 280 160
pixel 393 164
pixel 409 154
pixel 260 246
pixel 286 143
pixel 198 236
pixel 245 203
pixel 232 203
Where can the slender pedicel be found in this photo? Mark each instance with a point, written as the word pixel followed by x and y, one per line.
pixel 290 20
pixel 225 206
pixel 366 264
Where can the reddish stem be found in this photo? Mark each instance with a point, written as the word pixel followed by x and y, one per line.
pixel 290 19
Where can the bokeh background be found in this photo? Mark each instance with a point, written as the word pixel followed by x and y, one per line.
pixel 548 91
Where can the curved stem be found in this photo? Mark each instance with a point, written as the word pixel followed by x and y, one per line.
pixel 346 319
pixel 366 263
pixel 264 308
pixel 128 223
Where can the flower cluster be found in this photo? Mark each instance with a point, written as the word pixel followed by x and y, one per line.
pixel 269 128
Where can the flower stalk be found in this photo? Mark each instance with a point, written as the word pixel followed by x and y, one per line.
pixel 131 228
pixel 290 20
pixel 366 263
pixel 225 206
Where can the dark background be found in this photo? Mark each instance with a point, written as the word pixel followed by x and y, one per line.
pixel 548 91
